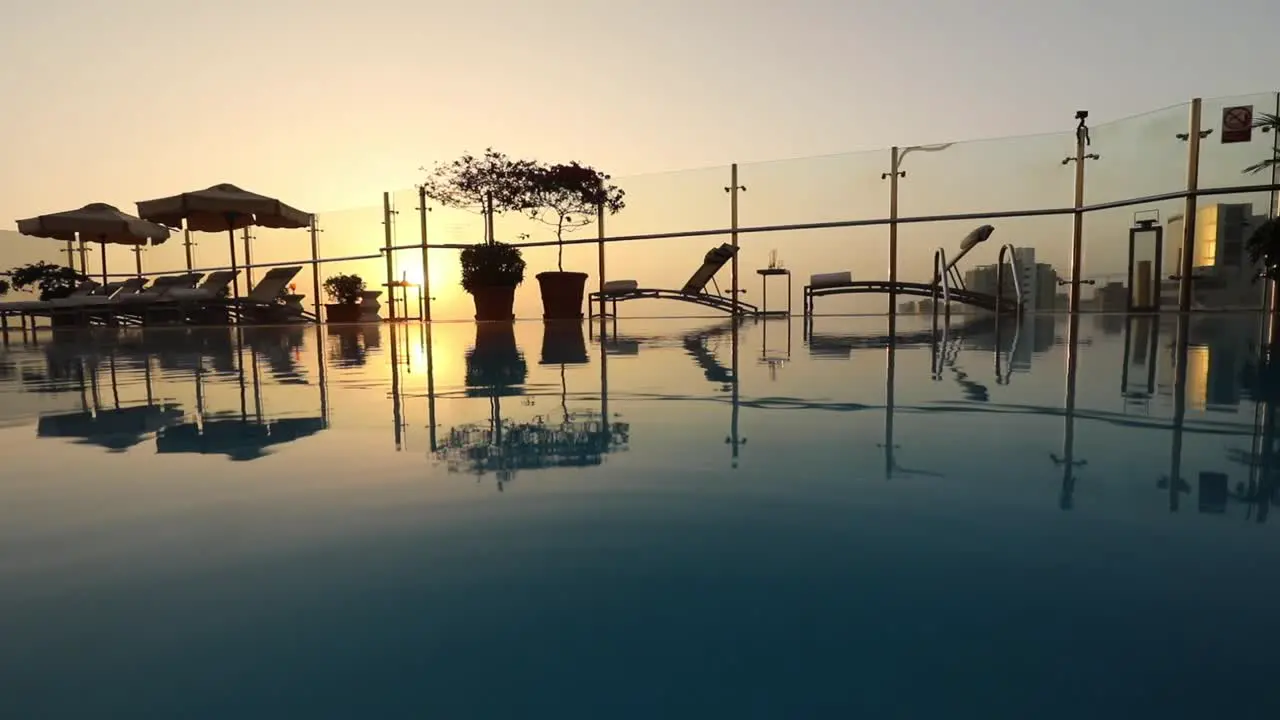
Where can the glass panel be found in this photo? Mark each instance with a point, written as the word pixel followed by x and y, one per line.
pixel 1106 254
pixel 1043 253
pixel 812 190
pixel 861 251
pixel 1223 164
pixel 1019 173
pixel 1138 156
pixel 672 202
pixel 347 233
pixel 1146 251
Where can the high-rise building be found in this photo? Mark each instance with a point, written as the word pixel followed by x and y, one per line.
pixel 1037 282
pixel 1224 276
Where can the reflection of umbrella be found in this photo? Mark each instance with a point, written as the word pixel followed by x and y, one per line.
pixel 117 430
pixel 238 439
pixel 223 207
pixel 99 221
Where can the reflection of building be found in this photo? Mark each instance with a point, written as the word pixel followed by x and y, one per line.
pixel 1217 356
pixel 1038 281
pixel 1224 277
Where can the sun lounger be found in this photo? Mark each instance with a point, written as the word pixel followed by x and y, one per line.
pixel 262 304
pixel 19 306
pixel 693 291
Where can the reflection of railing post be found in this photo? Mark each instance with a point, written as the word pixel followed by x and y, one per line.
pixel 1189 211
pixel 426 256
pixel 944 283
pixel 1180 382
pixel 315 265
pixel 1068 461
pixel 391 270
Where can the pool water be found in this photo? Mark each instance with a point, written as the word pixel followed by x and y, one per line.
pixel 683 518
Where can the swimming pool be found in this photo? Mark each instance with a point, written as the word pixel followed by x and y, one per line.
pixel 683 518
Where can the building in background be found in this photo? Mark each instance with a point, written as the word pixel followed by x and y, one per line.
pixel 1038 282
pixel 1224 276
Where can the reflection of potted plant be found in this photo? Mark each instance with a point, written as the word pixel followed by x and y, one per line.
pixel 495 365
pixel 563 343
pixel 567 197
pixel 344 291
pixel 491 272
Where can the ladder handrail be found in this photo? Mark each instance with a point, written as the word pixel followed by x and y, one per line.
pixel 1008 255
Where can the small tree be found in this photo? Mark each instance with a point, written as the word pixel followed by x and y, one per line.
pixel 492 264
pixel 1267 123
pixel 568 196
pixel 53 281
pixel 488 184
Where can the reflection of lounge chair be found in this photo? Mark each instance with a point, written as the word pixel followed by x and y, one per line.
pixel 694 291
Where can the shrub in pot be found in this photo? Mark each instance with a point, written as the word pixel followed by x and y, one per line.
pixel 567 197
pixel 344 291
pixel 491 272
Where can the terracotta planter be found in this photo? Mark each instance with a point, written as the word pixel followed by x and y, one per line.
pixel 494 303
pixel 562 294
pixel 563 343
pixel 342 313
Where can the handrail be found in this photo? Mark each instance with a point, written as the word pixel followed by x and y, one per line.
pixel 940 268
pixel 953 217
pixel 1010 254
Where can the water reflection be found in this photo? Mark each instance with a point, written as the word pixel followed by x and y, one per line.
pixel 1184 386
pixel 496 368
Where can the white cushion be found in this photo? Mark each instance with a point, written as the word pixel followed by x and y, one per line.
pixel 835 279
pixel 620 286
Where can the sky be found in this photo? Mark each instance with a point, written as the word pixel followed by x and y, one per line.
pixel 327 106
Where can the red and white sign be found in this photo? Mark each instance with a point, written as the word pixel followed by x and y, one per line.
pixel 1237 124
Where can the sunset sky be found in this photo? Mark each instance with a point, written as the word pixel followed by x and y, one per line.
pixel 327 106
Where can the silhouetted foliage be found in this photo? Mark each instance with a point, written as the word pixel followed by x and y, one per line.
pixel 53 281
pixel 1264 248
pixel 474 182
pixel 4 287
pixel 567 196
pixel 1267 122
pixel 344 289
pixel 491 265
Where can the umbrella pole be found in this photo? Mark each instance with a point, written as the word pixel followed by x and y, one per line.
pixel 103 247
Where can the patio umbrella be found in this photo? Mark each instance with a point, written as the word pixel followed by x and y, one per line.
pixel 99 222
pixel 223 207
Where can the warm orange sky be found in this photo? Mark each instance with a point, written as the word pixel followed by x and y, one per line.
pixel 327 107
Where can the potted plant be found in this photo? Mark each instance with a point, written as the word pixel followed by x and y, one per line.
pixel 567 197
pixel 53 282
pixel 489 184
pixel 344 291
pixel 491 272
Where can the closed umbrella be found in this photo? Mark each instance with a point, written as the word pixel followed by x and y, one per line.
pixel 97 222
pixel 223 207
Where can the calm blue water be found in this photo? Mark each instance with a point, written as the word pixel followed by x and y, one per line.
pixel 683 521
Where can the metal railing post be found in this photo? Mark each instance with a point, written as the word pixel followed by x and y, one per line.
pixel 1189 209
pixel 894 173
pixel 426 256
pixel 387 251
pixel 733 190
pixel 248 260
pixel 1077 226
pixel 186 246
pixel 315 265
pixel 600 259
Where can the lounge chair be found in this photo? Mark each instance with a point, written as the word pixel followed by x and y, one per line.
pixel 18 307
pixel 694 291
pixel 83 308
pixel 262 305
pixel 178 302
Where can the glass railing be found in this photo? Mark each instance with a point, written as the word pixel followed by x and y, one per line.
pixel 828 214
